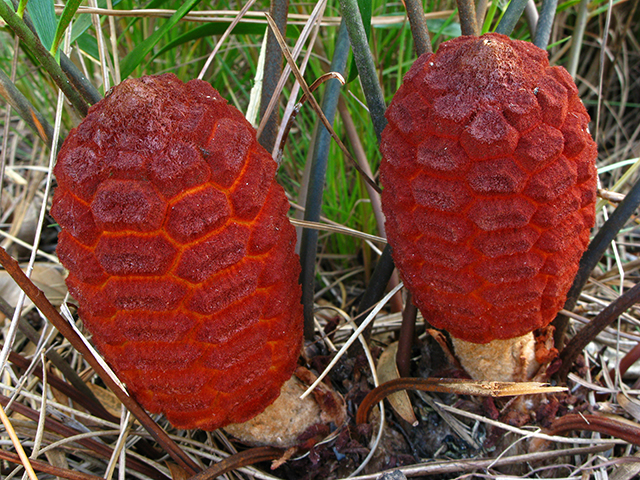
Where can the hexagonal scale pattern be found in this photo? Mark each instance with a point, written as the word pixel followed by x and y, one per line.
pixel 179 250
pixel 489 186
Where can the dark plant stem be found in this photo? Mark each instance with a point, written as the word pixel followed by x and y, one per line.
pixel 594 253
pixel 419 29
pixel 48 310
pixel 272 70
pixel 47 61
pixel 81 83
pixel 317 174
pixel 376 287
pixel 545 23
pixel 23 107
pixel 467 13
pixel 374 196
pixel 375 101
pixel 407 337
pixel 366 66
pixel 511 17
pixel 605 318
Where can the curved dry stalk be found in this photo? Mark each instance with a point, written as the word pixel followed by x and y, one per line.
pixel 296 109
pixel 239 460
pixel 625 430
pixel 316 106
pixel 315 17
pixel 451 386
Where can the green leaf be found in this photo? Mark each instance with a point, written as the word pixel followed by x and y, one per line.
pixel 210 29
pixel 67 15
pixel 446 27
pixel 89 45
pixel 135 57
pixel 83 22
pixel 44 19
pixel 22 5
pixel 365 11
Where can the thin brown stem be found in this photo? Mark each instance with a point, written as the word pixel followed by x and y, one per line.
pixel 467 13
pixel 48 310
pixel 48 468
pixel 419 29
pixel 81 391
pixel 628 360
pixel 626 431
pixel 314 103
pixel 239 460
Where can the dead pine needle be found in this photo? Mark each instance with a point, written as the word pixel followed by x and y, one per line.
pixel 17 445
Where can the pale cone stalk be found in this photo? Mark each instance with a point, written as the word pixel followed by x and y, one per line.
pixel 510 360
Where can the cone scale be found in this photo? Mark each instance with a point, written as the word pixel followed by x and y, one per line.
pixel 489 186
pixel 179 251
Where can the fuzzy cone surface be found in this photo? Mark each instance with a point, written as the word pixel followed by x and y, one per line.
pixel 489 186
pixel 179 251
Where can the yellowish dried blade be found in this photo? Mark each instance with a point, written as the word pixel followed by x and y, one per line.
pixel 498 389
pixel 388 370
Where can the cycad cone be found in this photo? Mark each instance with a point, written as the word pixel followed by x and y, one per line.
pixel 489 191
pixel 179 251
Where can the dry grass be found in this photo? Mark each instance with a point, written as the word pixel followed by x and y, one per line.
pixel 56 429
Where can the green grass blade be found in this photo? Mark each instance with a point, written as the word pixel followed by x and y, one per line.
pixel 44 19
pixel 21 7
pixel 135 57
pixel 490 16
pixel 25 109
pixel 67 15
pixel 209 30
pixel 89 45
